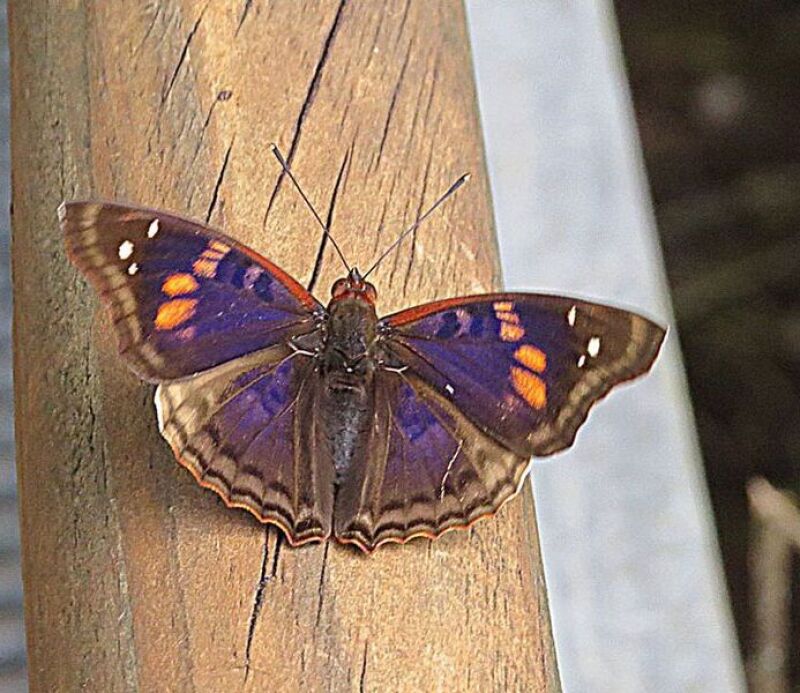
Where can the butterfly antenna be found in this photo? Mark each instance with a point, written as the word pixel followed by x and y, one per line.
pixel 455 186
pixel 285 167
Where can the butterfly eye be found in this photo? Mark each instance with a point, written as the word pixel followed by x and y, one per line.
pixel 370 292
pixel 340 288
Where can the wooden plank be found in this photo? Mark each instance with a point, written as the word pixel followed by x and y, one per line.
pixel 137 579
pixel 637 593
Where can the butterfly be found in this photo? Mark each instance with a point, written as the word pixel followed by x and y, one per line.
pixel 328 420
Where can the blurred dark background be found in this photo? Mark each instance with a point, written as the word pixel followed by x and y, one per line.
pixel 716 90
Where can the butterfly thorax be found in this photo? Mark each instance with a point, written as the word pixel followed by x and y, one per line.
pixel 347 364
pixel 350 335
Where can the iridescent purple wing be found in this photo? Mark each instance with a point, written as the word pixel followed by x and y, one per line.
pixel 524 368
pixel 183 297
pixel 248 430
pixel 470 389
pixel 425 470
pixel 213 322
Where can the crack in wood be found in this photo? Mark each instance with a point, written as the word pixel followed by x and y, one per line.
pixel 373 49
pixel 184 53
pixel 218 184
pixel 307 102
pixel 223 95
pixel 434 82
pixel 247 5
pixel 321 585
pixel 402 25
pixel 413 253
pixel 203 130
pixel 264 579
pixel 420 114
pixel 362 679
pixel 149 29
pixel 328 221
pixel 382 222
pixel 392 104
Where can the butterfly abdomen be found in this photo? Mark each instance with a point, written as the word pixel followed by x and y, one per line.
pixel 348 366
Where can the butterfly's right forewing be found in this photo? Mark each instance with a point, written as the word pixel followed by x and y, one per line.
pixel 525 368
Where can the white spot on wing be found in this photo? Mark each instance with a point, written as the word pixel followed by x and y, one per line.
pixel 581 360
pixel 125 250
pixel 133 268
pixel 449 388
pixel 573 312
pixel 152 229
pixel 593 347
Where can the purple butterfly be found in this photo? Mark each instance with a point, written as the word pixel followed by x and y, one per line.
pixel 329 420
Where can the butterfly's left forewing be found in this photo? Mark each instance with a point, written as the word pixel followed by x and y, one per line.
pixel 183 297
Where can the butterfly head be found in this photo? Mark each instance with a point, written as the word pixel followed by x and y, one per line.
pixel 353 286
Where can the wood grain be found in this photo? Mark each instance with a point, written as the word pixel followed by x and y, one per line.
pixel 137 579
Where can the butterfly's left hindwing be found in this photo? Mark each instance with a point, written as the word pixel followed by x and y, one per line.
pixel 249 430
pixel 183 298
pixel 524 368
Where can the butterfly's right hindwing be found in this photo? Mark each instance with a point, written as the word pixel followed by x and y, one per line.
pixel 426 470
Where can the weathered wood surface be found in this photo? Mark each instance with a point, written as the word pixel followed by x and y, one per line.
pixel 638 598
pixel 137 579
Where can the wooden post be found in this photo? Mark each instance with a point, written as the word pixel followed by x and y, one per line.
pixel 135 578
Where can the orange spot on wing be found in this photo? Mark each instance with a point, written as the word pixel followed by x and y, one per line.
pixel 507 316
pixel 531 357
pixel 510 328
pixel 204 267
pixel 174 313
pixel 178 284
pixel 206 264
pixel 529 386
pixel 509 332
pixel 219 247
